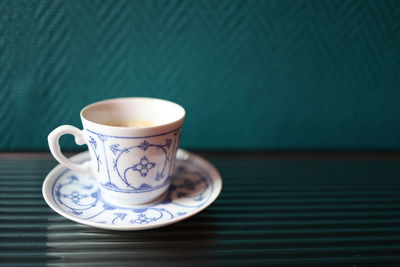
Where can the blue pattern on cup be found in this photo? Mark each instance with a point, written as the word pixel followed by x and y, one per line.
pixel 153 174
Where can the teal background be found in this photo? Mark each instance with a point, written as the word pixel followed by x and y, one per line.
pixel 278 75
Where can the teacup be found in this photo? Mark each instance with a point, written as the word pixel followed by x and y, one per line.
pixel 132 144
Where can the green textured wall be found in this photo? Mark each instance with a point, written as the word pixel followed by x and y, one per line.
pixel 252 74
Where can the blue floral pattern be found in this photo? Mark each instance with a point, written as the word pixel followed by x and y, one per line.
pixel 143 166
pixel 75 196
pixel 93 144
pixel 79 196
pixel 144 145
pixel 124 162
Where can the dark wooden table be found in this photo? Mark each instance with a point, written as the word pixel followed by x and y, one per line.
pixel 336 209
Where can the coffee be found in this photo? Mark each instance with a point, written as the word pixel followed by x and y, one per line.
pixel 131 123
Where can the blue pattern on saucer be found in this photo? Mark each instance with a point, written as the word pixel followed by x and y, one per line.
pixel 78 196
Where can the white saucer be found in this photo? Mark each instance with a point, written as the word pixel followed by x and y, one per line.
pixel 195 186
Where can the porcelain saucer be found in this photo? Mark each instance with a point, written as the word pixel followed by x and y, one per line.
pixel 195 185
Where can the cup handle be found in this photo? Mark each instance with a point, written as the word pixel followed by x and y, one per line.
pixel 54 146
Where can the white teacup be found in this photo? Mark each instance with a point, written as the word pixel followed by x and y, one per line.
pixel 132 144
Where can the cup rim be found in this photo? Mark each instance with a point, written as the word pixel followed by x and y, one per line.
pixel 110 100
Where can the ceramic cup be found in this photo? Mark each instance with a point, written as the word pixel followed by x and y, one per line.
pixel 132 165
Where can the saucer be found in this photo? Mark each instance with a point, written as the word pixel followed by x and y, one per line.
pixel 195 185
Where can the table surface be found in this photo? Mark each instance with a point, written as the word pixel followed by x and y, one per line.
pixel 340 209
